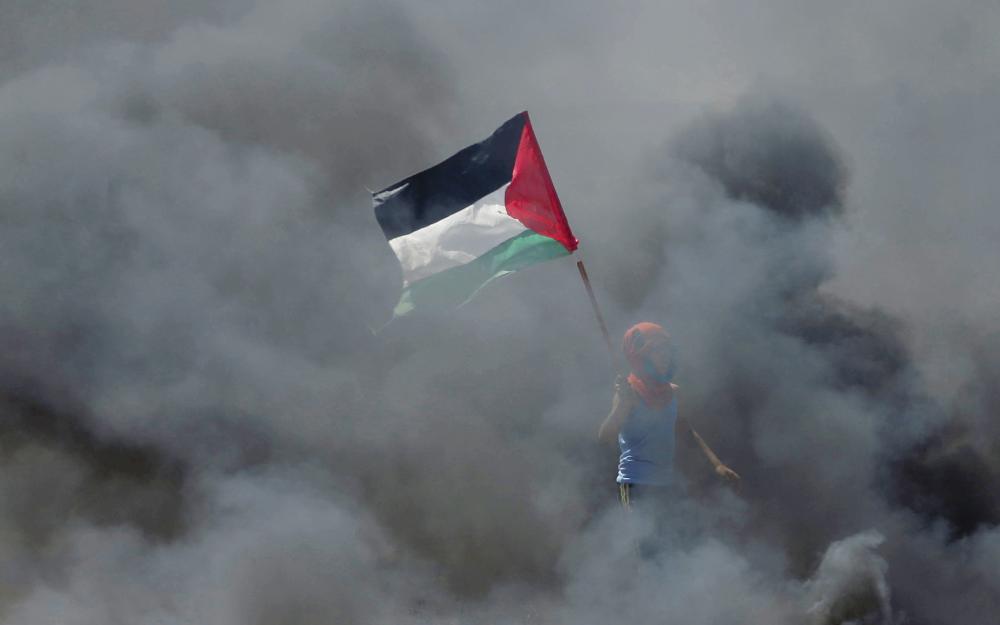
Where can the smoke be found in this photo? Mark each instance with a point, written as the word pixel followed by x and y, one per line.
pixel 198 424
pixel 851 581
pixel 772 156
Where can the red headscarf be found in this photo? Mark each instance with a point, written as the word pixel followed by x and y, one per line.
pixel 639 339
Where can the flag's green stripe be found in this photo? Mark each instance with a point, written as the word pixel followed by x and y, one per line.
pixel 456 286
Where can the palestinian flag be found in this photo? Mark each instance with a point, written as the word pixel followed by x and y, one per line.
pixel 487 211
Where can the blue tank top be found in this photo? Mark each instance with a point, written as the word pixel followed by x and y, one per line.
pixel 646 440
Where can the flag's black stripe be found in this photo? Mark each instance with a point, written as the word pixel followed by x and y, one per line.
pixel 450 186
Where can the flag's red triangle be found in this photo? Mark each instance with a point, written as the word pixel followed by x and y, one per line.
pixel 531 197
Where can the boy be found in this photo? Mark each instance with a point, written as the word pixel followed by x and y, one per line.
pixel 644 418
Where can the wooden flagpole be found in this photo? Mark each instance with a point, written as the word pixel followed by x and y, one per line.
pixel 597 311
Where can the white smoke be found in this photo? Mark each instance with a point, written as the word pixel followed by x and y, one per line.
pixel 851 583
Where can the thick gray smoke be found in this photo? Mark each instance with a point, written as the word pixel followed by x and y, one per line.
pixel 197 423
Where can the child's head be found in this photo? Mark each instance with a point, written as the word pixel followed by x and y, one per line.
pixel 650 352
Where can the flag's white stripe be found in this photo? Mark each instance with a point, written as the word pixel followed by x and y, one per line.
pixel 457 239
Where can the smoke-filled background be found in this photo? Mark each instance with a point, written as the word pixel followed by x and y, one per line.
pixel 197 424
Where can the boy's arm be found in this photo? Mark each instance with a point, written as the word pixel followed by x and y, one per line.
pixel 720 469
pixel 620 406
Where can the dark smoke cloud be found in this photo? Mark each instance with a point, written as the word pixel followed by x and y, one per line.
pixel 200 426
pixel 771 155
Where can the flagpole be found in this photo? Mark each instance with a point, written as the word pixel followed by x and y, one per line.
pixel 597 309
